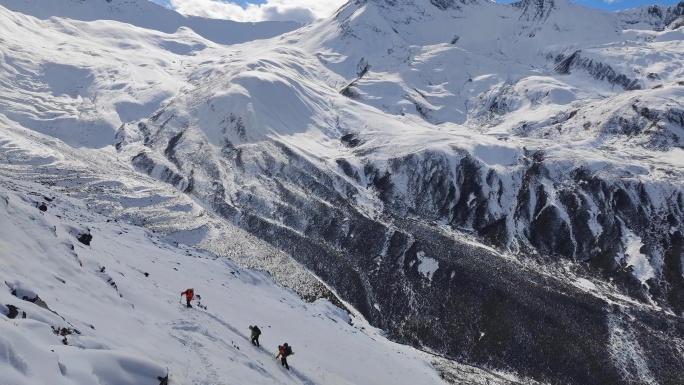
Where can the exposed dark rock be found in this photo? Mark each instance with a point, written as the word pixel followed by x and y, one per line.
pixel 362 68
pixel 673 277
pixel 14 312
pixel 565 63
pixel 38 301
pixel 170 150
pixel 677 23
pixel 63 331
pixel 145 164
pixel 598 70
pixel 446 4
pixel 423 110
pixel 42 207
pixel 535 11
pixel 85 238
pixel 233 123
pixel 348 169
pixel 655 11
pixel 350 91
pixel 350 140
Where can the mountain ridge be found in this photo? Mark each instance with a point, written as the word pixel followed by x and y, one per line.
pixel 138 13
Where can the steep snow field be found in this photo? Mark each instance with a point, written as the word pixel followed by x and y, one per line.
pixel 118 300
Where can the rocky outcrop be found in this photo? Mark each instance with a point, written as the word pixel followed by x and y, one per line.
pixel 446 4
pixel 144 163
pixel 677 23
pixel 598 70
pixel 577 215
pixel 535 10
pixel 658 17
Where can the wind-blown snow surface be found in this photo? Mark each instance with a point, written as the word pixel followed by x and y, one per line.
pixel 500 184
pixel 118 300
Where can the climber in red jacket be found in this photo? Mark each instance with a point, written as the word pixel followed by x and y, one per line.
pixel 189 294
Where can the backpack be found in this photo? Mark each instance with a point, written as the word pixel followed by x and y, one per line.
pixel 256 330
pixel 288 350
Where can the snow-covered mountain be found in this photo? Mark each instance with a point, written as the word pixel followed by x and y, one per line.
pixel 499 184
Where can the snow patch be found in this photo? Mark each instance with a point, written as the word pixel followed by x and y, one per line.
pixel 426 265
pixel 496 155
pixel 641 266
pixel 585 284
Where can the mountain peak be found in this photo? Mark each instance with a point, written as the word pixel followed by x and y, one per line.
pixel 441 4
pixel 656 17
pixel 446 4
pixel 538 10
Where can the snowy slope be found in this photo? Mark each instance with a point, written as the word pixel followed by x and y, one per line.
pixel 85 79
pixel 489 194
pixel 118 301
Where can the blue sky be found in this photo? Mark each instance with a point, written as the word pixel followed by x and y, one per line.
pixel 307 10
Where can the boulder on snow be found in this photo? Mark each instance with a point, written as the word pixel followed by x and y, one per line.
pixel 85 239
pixel 12 312
pixel 82 234
pixel 22 292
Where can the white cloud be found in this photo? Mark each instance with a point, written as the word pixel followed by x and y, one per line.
pixel 296 10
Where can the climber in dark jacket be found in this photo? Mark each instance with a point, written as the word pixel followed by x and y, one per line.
pixel 256 332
